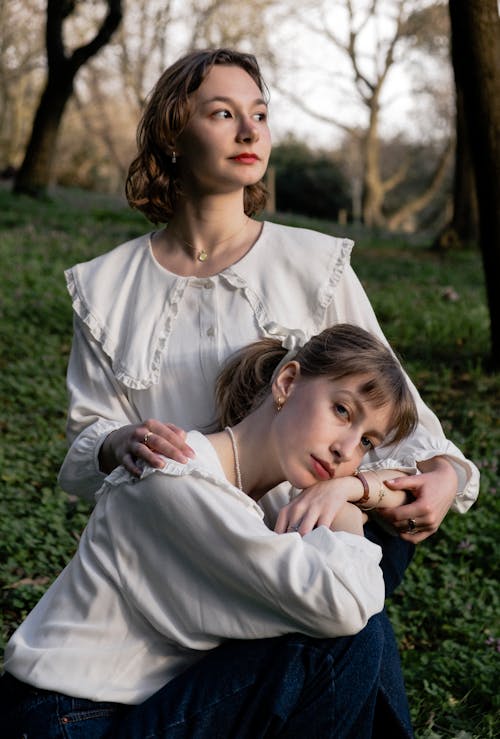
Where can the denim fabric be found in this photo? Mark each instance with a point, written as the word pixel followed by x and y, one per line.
pixel 396 555
pixel 41 714
pixel 285 687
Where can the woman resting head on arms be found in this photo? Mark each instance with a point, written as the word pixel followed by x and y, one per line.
pixel 156 317
pixel 182 614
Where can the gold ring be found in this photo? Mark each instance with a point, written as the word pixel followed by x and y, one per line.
pixel 146 438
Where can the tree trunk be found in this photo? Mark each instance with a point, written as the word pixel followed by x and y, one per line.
pixel 463 228
pixel 35 173
pixel 419 202
pixel 373 190
pixel 476 39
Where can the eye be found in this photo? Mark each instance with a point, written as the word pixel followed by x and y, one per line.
pixel 366 443
pixel 262 116
pixel 341 410
pixel 222 114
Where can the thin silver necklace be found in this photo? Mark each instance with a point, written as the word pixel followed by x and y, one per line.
pixel 202 254
pixel 237 467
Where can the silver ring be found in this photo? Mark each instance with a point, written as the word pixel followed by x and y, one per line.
pixel 294 526
pixel 146 438
pixel 412 526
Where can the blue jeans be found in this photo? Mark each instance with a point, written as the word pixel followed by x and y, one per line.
pixel 289 686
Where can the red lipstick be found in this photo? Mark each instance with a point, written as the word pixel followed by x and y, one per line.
pixel 246 157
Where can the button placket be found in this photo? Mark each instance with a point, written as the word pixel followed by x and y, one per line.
pixel 208 314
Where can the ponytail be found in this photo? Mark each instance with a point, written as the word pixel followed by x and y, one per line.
pixel 245 380
pixel 337 352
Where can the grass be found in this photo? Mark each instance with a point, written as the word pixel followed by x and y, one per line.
pixel 446 612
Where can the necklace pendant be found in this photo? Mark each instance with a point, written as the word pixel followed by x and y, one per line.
pixel 202 256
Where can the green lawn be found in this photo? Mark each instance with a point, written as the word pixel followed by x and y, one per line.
pixel 446 614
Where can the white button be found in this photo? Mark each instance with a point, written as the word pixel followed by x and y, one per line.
pixel 208 285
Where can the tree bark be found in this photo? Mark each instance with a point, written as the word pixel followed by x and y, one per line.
pixel 35 173
pixel 462 230
pixel 476 41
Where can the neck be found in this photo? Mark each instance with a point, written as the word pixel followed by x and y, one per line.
pixel 208 221
pixel 253 441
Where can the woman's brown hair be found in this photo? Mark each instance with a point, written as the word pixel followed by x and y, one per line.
pixel 152 186
pixel 339 351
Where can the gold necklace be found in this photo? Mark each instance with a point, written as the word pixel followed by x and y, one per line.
pixel 201 254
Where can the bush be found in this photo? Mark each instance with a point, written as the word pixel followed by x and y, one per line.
pixel 309 182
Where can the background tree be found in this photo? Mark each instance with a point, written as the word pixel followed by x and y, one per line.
pixel 371 62
pixel 35 172
pixel 475 26
pixel 22 63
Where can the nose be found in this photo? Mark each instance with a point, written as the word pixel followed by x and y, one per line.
pixel 344 446
pixel 247 130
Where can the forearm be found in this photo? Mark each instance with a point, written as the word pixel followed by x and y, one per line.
pixel 374 493
pixel 351 305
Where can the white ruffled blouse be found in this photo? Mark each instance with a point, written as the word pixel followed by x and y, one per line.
pixel 171 565
pixel 149 343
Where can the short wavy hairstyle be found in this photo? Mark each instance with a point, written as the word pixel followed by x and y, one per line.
pixel 152 185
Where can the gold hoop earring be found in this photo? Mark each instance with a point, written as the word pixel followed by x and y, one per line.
pixel 279 403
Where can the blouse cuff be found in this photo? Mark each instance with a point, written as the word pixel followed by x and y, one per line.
pixel 80 474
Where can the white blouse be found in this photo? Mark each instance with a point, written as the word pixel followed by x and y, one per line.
pixel 171 565
pixel 149 343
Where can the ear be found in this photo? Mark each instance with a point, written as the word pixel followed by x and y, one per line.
pixel 286 379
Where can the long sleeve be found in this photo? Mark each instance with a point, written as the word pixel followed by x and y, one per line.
pixel 173 564
pixel 198 542
pixel 351 305
pixel 97 406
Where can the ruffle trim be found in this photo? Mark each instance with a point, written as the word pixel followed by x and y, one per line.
pixel 161 344
pixel 335 272
pixel 101 335
pixel 97 330
pixel 334 269
pixel 171 468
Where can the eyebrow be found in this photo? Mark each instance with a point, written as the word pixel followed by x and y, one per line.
pixel 358 403
pixel 224 99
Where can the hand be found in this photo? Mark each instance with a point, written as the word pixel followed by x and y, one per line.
pixel 434 491
pixel 317 505
pixel 127 444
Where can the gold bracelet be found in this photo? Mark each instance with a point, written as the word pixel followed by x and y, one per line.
pixel 381 494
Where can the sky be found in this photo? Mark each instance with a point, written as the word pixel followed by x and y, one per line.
pixel 321 76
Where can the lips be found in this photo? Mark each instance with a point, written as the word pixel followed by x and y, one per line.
pixel 246 158
pixel 322 469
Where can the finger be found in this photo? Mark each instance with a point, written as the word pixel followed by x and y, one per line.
pixel 129 463
pixel 177 430
pixel 404 483
pixel 282 521
pixel 308 522
pixel 402 513
pixel 155 443
pixel 170 434
pixel 416 537
pixel 140 451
